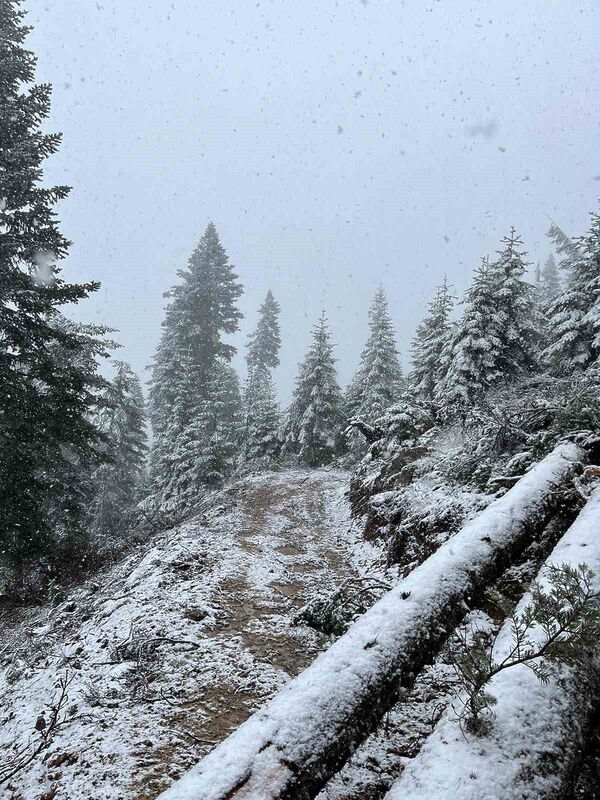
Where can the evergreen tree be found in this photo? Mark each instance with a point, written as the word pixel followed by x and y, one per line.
pixel 498 337
pixel 117 484
pixel 574 314
pixel 48 374
pixel 378 379
pixel 430 346
pixel 264 343
pixel 187 373
pixel 226 422
pixel 261 415
pixel 314 418
pixel 472 366
pixel 549 280
pixel 590 270
pixel 517 319
pixel 260 406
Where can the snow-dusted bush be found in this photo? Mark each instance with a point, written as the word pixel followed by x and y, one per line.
pixel 333 613
pixel 560 625
pixel 424 477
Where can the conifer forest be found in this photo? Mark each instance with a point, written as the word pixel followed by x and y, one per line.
pixel 299 400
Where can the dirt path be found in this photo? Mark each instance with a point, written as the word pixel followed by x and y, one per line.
pixel 169 651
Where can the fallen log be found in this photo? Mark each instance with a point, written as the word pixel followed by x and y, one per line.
pixel 538 729
pixel 505 481
pixel 292 746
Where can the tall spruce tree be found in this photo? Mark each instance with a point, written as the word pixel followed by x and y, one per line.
pixel 188 373
pixel 430 346
pixel 574 314
pixel 49 382
pixel 518 320
pixel 226 422
pixel 262 417
pixel 314 419
pixel 378 379
pixel 117 484
pixel 472 365
pixel 264 343
pixel 261 411
pixel 549 281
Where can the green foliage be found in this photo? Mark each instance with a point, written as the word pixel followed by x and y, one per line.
pixel 559 625
pixel 574 313
pixel 378 379
pixel 333 614
pixel 404 422
pixel 265 341
pixel 261 411
pixel 430 347
pixel 117 484
pixel 580 409
pixel 549 284
pixel 261 415
pixel 194 396
pixel 314 419
pixel 49 382
pixel 498 338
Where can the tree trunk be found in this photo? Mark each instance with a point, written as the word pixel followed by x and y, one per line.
pixel 295 743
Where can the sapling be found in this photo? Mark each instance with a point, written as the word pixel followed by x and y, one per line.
pixel 559 625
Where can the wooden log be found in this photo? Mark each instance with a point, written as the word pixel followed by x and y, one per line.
pixel 295 743
pixel 504 480
pixel 538 730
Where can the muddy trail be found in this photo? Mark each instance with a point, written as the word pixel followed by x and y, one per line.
pixel 168 651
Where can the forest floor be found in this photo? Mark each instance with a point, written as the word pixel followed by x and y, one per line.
pixel 164 653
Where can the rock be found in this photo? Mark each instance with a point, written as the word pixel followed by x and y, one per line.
pixel 195 613
pixel 63 758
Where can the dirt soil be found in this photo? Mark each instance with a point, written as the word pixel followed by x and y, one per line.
pixel 168 651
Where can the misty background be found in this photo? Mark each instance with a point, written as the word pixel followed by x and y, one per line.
pixel 336 146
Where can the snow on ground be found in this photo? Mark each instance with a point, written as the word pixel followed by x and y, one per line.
pixel 303 722
pixel 168 651
pixel 535 734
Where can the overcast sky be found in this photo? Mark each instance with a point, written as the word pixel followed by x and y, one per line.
pixel 335 145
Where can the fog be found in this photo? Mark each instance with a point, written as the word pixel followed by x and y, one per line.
pixel 334 145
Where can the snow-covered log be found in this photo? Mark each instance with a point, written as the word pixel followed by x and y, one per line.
pixel 290 748
pixel 538 729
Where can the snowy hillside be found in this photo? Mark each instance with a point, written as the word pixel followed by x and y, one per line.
pixel 165 653
pixel 300 435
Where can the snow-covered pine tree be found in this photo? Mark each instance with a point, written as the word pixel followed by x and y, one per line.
pixel 472 365
pixel 261 411
pixel 264 343
pixel 518 320
pixel 378 379
pixel 574 314
pixel 314 418
pixel 187 372
pixel 549 282
pixel 430 346
pixel 262 416
pixel 117 484
pixel 226 423
pixel 498 337
pixel 590 248
pixel 46 400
